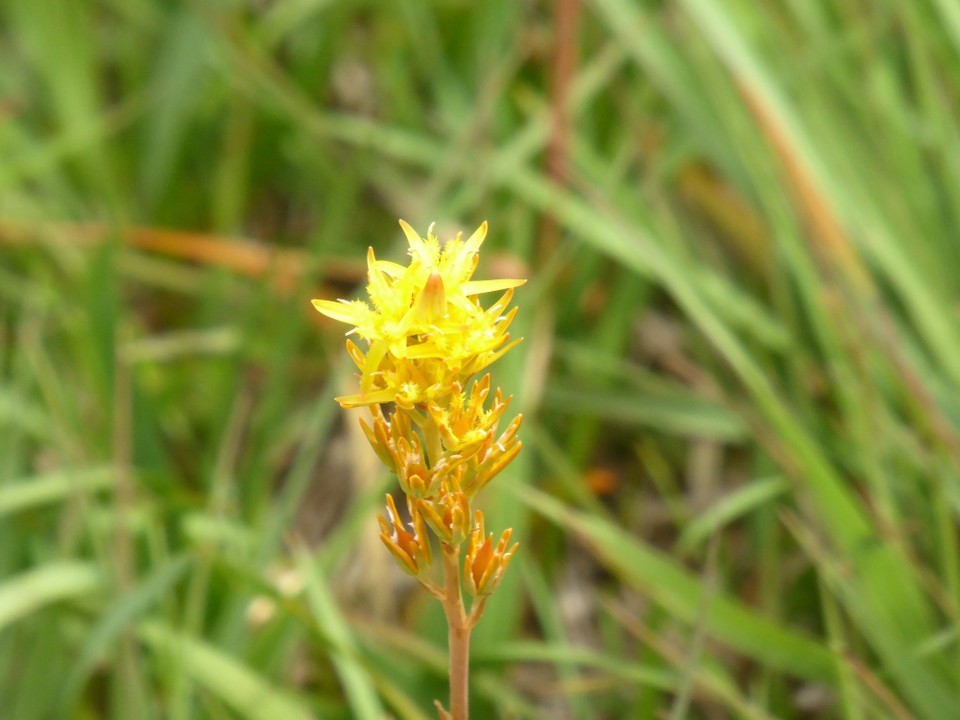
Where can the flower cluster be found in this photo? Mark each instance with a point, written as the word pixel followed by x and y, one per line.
pixel 434 424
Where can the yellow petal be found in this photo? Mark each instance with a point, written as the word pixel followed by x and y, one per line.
pixel 423 251
pixel 478 287
pixel 424 350
pixel 343 310
pixel 476 240
pixel 371 365
pixel 370 398
pixel 414 240
pixel 390 268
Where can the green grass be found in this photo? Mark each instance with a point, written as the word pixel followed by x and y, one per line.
pixel 740 487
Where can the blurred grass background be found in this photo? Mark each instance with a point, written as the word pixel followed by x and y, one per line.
pixel 740 486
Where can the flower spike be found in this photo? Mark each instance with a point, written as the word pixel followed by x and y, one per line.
pixel 422 340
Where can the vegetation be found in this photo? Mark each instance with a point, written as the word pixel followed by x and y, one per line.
pixel 740 483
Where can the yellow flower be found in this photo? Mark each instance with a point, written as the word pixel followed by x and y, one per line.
pixel 424 325
pixel 433 424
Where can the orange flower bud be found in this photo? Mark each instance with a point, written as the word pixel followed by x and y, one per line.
pixel 484 565
pixel 411 551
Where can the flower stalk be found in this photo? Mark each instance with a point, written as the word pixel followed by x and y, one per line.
pixel 434 423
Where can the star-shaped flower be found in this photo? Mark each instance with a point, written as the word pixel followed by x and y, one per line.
pixel 424 325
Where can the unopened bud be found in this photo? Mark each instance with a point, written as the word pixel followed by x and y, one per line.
pixel 431 303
